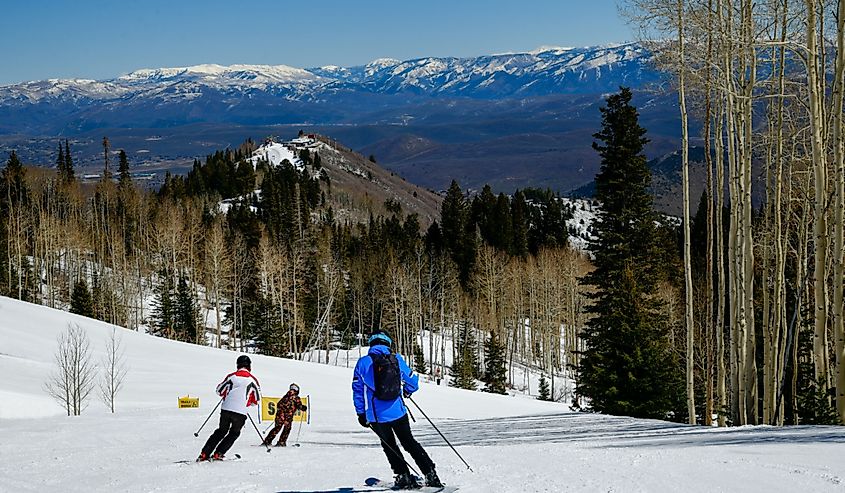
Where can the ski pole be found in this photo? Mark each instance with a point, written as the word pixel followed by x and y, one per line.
pixel 394 452
pixel 441 434
pixel 256 430
pixel 209 417
pixel 298 431
pixel 409 411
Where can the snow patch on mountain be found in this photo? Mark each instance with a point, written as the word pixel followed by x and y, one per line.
pixel 226 75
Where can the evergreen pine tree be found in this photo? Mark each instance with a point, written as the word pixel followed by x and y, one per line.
pixel 544 389
pixel 465 364
pixel 13 189
pixel 164 306
pixel 186 312
pixel 495 374
pixel 69 174
pixel 627 367
pixel 420 365
pixel 125 178
pixel 813 398
pixel 459 232
pixel 519 221
pixel 453 219
pixel 81 301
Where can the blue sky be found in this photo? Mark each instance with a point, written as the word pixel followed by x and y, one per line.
pixel 104 38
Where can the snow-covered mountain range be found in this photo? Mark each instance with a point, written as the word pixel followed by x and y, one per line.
pixel 538 73
pixel 511 120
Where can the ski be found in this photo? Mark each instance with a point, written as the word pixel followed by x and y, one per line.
pixel 194 461
pixel 224 459
pixel 382 484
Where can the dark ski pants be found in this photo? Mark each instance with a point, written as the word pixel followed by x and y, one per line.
pixel 285 426
pixel 401 429
pixel 225 435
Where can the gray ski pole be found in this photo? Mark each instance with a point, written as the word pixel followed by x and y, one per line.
pixel 209 417
pixel 441 434
pixel 259 433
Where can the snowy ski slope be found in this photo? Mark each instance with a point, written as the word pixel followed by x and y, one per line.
pixel 513 443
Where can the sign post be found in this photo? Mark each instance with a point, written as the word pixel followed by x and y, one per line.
pixel 268 409
pixel 189 402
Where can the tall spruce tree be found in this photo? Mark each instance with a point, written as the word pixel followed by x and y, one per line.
pixel 186 312
pixel 465 364
pixel 68 174
pixel 627 367
pixel 420 365
pixel 81 301
pixel 164 305
pixel 124 177
pixel 460 232
pixel 519 217
pixel 544 394
pixel 495 371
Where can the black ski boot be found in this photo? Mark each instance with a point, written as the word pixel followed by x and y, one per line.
pixel 431 479
pixel 406 482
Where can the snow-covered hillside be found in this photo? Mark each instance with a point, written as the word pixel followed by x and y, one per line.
pixel 514 444
pixel 580 226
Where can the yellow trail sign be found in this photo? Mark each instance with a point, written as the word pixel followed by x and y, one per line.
pixel 189 402
pixel 268 409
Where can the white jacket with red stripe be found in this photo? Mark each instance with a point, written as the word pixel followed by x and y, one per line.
pixel 239 390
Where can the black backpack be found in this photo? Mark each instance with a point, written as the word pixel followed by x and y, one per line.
pixel 388 379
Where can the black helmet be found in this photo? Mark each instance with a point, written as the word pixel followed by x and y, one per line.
pixel 244 362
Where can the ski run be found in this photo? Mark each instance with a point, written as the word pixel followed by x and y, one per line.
pixel 513 443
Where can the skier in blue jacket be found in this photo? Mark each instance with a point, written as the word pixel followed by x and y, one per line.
pixel 388 417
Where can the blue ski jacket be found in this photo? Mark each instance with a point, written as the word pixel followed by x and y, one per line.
pixel 363 386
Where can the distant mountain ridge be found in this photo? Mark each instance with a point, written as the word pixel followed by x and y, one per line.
pixel 517 75
pixel 512 120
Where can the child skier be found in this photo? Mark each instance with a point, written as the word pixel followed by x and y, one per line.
pixel 378 383
pixel 285 409
pixel 239 391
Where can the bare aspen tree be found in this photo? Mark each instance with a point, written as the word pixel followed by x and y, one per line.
pixel 839 210
pixel 815 88
pixel 689 322
pixel 114 370
pixel 216 269
pixel 73 378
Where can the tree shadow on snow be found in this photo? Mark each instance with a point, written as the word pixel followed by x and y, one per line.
pixel 614 431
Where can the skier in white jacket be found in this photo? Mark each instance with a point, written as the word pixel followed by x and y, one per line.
pixel 239 391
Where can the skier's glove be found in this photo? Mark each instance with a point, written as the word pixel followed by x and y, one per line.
pixel 303 407
pixel 406 394
pixel 362 420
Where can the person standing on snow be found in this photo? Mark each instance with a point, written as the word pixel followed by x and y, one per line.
pixel 239 391
pixel 285 409
pixel 378 383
